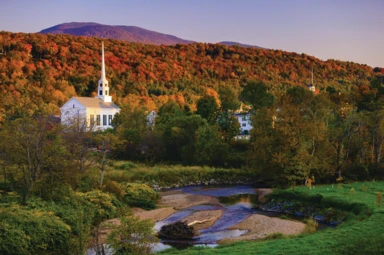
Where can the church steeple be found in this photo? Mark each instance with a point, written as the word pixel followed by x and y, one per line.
pixel 103 88
pixel 102 62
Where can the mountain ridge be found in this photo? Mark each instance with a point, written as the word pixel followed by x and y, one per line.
pixel 125 33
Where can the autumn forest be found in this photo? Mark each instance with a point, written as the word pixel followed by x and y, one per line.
pixel 41 72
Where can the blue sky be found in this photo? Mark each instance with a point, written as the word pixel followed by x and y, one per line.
pixel 350 30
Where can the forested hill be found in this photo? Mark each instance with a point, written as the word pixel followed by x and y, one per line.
pixel 40 71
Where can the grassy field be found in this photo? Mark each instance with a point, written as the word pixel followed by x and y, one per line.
pixel 170 175
pixel 361 233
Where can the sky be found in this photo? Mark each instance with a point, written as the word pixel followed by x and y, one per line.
pixel 349 30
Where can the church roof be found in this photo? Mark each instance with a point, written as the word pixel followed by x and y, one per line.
pixel 91 102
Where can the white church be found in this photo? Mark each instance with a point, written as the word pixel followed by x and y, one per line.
pixel 98 112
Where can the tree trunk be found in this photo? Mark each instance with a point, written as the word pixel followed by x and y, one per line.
pixel 103 162
pixel 26 194
pixel 377 141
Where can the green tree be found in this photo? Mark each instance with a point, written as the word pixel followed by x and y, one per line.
pixel 132 236
pixel 79 140
pixel 228 124
pixel 207 108
pixel 179 136
pixel 229 98
pixel 106 141
pixel 33 146
pixel 130 131
pixel 289 141
pixel 210 148
pixel 257 95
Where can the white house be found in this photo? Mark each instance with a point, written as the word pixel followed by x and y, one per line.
pixel 151 119
pixel 245 125
pixel 97 112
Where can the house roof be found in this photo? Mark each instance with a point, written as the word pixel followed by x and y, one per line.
pixel 91 102
pixel 242 114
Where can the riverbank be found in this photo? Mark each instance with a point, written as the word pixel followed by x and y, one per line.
pixel 260 226
pixel 204 211
pixel 361 233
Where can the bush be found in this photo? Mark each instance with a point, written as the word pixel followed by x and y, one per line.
pixel 114 188
pixel 126 165
pixel 26 231
pixel 311 226
pixel 132 236
pixel 140 195
pixel 106 205
pixel 357 172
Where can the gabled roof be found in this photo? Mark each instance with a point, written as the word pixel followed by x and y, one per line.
pixel 242 114
pixel 91 102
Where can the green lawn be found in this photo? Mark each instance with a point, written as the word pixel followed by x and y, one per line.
pixel 361 233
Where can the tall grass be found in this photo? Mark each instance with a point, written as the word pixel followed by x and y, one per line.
pixel 175 175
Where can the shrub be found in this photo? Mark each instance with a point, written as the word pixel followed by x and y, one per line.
pixel 311 226
pixel 106 205
pixel 127 165
pixel 26 231
pixel 357 172
pixel 140 195
pixel 115 188
pixel 132 236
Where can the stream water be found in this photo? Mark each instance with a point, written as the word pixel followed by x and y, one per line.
pixel 237 204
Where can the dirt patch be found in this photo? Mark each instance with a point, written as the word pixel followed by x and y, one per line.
pixel 261 193
pixel 182 201
pixel 104 230
pixel 259 226
pixel 212 215
pixel 170 192
pixel 155 215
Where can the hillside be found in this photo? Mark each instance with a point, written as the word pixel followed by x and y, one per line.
pixel 43 71
pixel 124 33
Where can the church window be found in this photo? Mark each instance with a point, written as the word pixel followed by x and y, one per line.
pixel 101 84
pixel 106 92
pixel 98 120
pixel 92 119
pixel 104 120
pixel 100 92
pixel 73 106
pixel 110 120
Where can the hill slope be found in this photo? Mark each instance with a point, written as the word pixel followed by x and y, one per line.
pixel 125 33
pixel 43 71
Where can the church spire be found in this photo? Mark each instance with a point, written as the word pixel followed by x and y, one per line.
pixel 103 88
pixel 102 62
